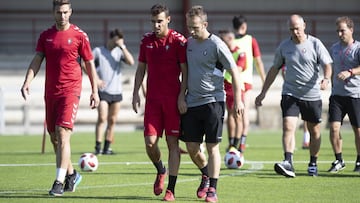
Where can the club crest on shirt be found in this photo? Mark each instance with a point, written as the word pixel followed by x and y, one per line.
pixel 69 41
pixel 303 51
pixel 205 53
pixel 167 47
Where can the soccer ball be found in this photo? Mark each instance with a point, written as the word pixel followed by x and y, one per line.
pixel 88 162
pixel 234 159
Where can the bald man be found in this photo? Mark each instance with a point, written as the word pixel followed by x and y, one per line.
pixel 303 55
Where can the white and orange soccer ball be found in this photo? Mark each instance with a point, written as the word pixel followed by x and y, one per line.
pixel 88 162
pixel 234 159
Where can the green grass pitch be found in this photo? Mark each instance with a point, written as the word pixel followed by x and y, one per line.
pixel 26 175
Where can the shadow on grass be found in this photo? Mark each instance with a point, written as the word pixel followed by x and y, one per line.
pixel 88 198
pixel 28 153
pixel 332 175
pixel 44 196
pixel 116 153
pixel 272 174
pixel 119 173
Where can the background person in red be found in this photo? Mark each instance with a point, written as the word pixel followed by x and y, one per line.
pixel 163 57
pixel 234 122
pixel 62 45
pixel 247 44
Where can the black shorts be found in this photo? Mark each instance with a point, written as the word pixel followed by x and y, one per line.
pixel 110 98
pixel 203 120
pixel 339 106
pixel 309 110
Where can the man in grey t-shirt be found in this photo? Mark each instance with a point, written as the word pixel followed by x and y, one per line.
pixel 302 54
pixel 345 93
pixel 207 57
pixel 109 64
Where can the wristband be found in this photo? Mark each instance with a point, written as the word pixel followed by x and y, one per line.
pixel 351 72
pixel 122 46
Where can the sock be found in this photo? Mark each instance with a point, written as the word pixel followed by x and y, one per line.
pixel 313 159
pixel 97 145
pixel 60 174
pixel 243 139
pixel 338 156
pixel 231 141
pixel 160 167
pixel 241 147
pixel 288 156
pixel 204 171
pixel 172 182
pixel 306 138
pixel 106 145
pixel 358 158
pixel 213 182
pixel 236 142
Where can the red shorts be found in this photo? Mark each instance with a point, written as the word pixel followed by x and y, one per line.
pixel 61 111
pixel 230 94
pixel 161 114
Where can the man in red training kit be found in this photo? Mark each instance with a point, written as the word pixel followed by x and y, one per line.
pixel 62 45
pixel 163 57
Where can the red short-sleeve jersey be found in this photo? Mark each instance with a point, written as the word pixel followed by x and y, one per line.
pixel 62 50
pixel 163 57
pixel 256 48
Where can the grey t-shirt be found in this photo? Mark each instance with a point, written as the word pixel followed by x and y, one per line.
pixel 207 61
pixel 108 67
pixel 345 58
pixel 302 61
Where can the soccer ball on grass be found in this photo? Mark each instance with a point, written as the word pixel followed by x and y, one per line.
pixel 88 162
pixel 234 159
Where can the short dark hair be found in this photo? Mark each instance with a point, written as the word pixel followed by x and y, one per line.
pixel 60 3
pixel 238 21
pixel 117 33
pixel 159 8
pixel 224 31
pixel 347 20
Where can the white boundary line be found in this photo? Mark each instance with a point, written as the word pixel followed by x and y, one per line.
pixel 255 166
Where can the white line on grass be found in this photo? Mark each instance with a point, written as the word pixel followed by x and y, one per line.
pixel 255 166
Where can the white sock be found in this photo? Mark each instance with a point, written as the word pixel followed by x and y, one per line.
pixel 306 137
pixel 60 174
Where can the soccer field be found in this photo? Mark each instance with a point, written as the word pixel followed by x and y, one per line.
pixel 27 175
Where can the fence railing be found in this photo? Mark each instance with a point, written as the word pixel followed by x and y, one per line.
pixel 2 112
pixel 19 33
